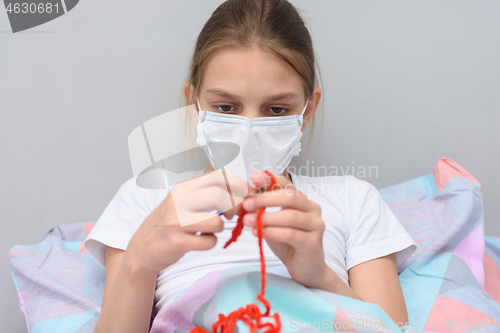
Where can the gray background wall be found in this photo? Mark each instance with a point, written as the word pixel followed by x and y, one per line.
pixel 405 83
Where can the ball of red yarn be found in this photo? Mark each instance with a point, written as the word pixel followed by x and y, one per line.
pixel 250 314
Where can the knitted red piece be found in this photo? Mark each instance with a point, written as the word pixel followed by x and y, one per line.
pixel 252 312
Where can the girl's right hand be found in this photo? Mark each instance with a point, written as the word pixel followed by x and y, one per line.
pixel 162 239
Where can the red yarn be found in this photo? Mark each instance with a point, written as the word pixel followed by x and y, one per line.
pixel 252 312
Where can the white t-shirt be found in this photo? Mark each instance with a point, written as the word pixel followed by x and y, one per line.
pixel 359 226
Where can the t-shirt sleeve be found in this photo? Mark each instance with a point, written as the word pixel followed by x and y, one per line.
pixel 374 230
pixel 130 206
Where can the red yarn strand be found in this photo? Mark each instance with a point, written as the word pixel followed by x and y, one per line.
pixel 252 312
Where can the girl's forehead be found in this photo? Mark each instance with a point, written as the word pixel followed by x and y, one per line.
pixel 250 71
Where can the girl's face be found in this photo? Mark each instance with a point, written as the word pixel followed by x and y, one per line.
pixel 252 83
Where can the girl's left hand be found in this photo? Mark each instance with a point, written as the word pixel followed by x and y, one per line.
pixel 294 233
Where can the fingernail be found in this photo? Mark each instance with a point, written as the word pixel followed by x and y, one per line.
pixel 249 219
pixel 248 204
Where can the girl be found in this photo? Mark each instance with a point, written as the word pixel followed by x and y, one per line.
pixel 253 60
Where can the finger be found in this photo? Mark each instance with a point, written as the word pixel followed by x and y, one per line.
pixel 238 186
pixel 290 218
pixel 201 242
pixel 212 224
pixel 203 200
pixel 287 197
pixel 293 237
pixel 208 199
pixel 263 181
pixel 202 203
pixel 229 214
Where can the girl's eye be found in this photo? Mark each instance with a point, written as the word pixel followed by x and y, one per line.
pixel 283 110
pixel 226 107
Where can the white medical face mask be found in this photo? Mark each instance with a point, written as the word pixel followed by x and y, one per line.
pixel 266 143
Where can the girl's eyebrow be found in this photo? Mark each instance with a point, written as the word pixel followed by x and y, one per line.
pixel 223 93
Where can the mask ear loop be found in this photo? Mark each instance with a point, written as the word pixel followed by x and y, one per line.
pixel 305 107
pixel 200 119
pixel 300 119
